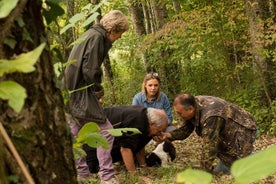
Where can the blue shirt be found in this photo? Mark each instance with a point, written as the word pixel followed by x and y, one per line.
pixel 163 103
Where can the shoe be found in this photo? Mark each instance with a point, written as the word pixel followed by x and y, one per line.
pixel 113 180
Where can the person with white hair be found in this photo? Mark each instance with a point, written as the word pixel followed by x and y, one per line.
pixel 128 148
pixel 86 74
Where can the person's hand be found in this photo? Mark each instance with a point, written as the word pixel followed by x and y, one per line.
pixel 162 137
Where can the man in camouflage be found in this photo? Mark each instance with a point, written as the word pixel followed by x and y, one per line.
pixel 227 130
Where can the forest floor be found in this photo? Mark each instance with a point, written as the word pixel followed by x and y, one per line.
pixel 188 154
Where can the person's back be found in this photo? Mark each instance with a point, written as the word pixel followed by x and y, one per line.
pixel 86 72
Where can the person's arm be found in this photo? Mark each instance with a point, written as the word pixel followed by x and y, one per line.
pixel 135 100
pixel 210 135
pixel 141 157
pixel 167 108
pixel 92 61
pixel 128 160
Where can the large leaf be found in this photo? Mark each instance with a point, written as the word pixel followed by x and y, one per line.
pixel 23 63
pixel 192 176
pixel 6 6
pixel 89 134
pixel 14 93
pixel 120 131
pixel 90 19
pixel 255 167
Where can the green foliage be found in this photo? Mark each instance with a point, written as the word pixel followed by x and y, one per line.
pixel 82 16
pixel 192 176
pixel 123 131
pixel 24 63
pixel 89 134
pixel 255 167
pixel 52 10
pixel 6 6
pixel 250 169
pixel 14 93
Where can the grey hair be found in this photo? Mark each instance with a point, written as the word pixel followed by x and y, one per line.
pixel 156 116
pixel 115 20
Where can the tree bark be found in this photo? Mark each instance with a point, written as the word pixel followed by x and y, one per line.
pixel 136 14
pixel 39 132
pixel 256 14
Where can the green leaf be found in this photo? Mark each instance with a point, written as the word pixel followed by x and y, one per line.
pixel 6 6
pixel 89 134
pixel 90 19
pixel 14 93
pixel 77 17
pixel 23 63
pixel 192 176
pixel 88 128
pixel 255 167
pixel 10 42
pixel 78 152
pixel 120 131
pixel 64 29
pixel 96 140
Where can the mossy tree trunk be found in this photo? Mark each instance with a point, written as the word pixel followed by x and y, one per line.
pixel 39 132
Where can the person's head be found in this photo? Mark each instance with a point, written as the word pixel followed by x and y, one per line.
pixel 184 106
pixel 158 121
pixel 115 23
pixel 151 85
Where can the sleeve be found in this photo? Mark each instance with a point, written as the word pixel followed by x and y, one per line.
pixel 167 108
pixel 183 132
pixel 210 135
pixel 92 61
pixel 135 100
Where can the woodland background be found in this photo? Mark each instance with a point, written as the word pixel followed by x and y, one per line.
pixel 219 48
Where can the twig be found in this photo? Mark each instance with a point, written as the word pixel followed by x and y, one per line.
pixel 15 154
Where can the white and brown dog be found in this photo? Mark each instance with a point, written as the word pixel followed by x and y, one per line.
pixel 161 155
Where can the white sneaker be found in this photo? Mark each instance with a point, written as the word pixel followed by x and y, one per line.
pixel 113 180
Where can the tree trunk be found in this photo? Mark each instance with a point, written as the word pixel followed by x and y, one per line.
pixel 255 15
pixel 39 132
pixel 176 6
pixel 160 13
pixel 136 14
pixel 147 17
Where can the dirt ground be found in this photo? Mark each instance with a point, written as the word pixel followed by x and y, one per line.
pixel 188 154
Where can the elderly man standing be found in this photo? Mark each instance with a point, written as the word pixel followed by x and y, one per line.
pixel 227 130
pixel 128 148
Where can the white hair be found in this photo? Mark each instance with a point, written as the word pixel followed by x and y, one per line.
pixel 156 116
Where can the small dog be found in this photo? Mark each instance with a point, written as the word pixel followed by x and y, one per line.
pixel 161 155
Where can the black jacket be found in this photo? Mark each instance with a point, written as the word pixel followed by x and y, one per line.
pixel 89 56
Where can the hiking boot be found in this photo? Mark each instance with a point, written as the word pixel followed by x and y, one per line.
pixel 113 180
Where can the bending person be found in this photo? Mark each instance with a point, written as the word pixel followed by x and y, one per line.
pixel 131 148
pixel 228 131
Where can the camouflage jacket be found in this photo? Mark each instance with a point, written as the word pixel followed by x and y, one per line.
pixel 227 130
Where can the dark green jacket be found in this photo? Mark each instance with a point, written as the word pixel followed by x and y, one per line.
pixel 227 130
pixel 89 56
